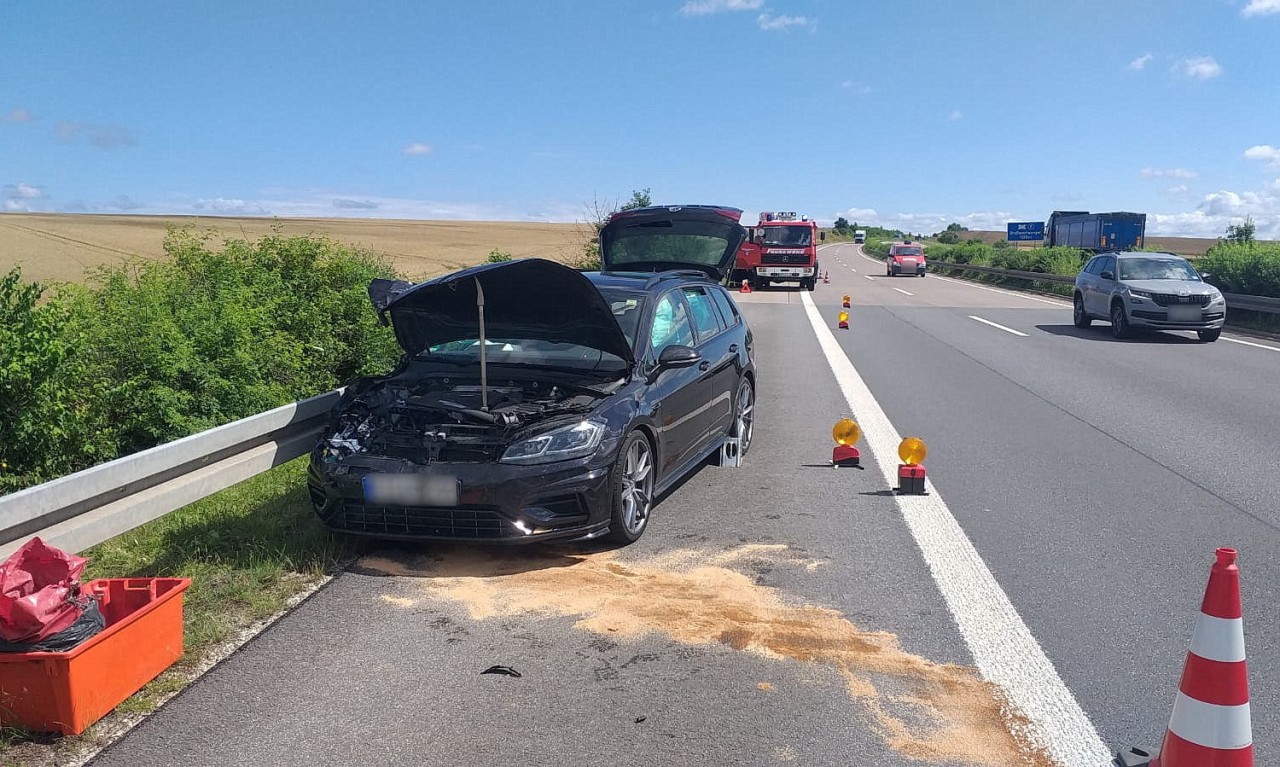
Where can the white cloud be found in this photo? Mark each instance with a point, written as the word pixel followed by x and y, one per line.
pixel 1178 190
pixel 1261 7
pixel 417 149
pixel 1200 68
pixel 705 7
pixel 18 115
pixel 346 204
pixel 860 89
pixel 221 206
pixel 101 136
pixel 955 115
pixel 1167 173
pixel 1141 62
pixel 23 192
pixel 928 223
pixel 1264 152
pixel 774 23
pixel 1218 210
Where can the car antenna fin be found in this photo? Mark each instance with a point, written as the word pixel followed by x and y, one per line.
pixel 484 364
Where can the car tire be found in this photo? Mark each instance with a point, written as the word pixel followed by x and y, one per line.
pixel 1209 336
pixel 1120 321
pixel 744 415
pixel 810 284
pixel 1078 315
pixel 633 483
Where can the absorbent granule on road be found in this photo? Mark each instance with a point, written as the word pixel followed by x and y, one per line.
pixel 921 709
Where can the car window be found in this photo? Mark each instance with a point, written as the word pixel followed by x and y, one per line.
pixel 1108 265
pixel 1094 266
pixel 706 320
pixel 671 325
pixel 727 310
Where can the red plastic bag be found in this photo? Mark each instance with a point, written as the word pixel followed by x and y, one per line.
pixel 38 587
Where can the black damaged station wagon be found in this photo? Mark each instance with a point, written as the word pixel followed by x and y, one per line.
pixel 534 402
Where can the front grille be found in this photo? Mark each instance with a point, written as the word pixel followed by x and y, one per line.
pixel 784 258
pixel 1165 299
pixel 422 521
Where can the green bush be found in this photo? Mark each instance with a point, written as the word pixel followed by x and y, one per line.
pixel 1248 268
pixel 497 257
pixel 1060 261
pixel 153 351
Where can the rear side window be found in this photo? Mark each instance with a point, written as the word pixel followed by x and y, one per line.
pixel 706 320
pixel 727 310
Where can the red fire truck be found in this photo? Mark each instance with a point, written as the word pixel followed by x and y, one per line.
pixel 782 247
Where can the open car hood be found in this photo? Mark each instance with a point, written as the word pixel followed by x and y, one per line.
pixel 701 237
pixel 529 298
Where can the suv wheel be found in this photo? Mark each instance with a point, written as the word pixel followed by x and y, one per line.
pixel 1209 336
pixel 1081 319
pixel 1119 320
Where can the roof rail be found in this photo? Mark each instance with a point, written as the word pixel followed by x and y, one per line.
pixel 670 273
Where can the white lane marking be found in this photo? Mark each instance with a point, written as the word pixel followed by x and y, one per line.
pixel 1002 646
pixel 869 277
pixel 998 325
pixel 1251 343
pixel 903 292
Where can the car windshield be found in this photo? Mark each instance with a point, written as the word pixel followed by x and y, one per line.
pixel 627 306
pixel 909 252
pixel 797 236
pixel 1157 269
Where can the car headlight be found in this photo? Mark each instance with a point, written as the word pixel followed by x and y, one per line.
pixel 1139 294
pixel 1216 297
pixel 562 444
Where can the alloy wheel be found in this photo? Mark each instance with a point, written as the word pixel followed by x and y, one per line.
pixel 744 425
pixel 637 486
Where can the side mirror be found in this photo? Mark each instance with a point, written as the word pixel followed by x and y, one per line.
pixel 822 236
pixel 1205 276
pixel 675 356
pixel 1107 276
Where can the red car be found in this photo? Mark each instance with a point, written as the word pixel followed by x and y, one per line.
pixel 905 258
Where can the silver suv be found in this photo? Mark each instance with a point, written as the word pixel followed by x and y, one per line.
pixel 1148 290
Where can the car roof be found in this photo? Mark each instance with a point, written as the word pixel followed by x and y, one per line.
pixel 646 280
pixel 1158 255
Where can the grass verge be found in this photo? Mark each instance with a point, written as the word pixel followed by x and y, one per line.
pixel 248 550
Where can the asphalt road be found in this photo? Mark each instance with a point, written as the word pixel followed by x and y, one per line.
pixel 782 611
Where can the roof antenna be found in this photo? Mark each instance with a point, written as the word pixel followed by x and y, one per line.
pixel 484 365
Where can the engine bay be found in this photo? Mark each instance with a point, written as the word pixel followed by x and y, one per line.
pixel 439 419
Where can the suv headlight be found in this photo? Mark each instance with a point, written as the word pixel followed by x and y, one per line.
pixel 562 444
pixel 1141 295
pixel 1216 297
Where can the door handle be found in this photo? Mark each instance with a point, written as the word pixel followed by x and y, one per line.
pixel 705 364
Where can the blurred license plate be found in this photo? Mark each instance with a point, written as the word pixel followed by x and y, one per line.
pixel 1189 313
pixel 411 489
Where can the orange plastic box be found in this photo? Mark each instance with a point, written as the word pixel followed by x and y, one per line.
pixel 68 691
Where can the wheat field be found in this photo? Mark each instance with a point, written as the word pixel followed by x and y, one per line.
pixel 59 247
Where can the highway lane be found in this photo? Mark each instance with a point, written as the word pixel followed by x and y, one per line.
pixel 1094 476
pixel 693 646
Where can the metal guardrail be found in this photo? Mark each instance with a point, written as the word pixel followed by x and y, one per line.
pixel 1237 301
pixel 81 510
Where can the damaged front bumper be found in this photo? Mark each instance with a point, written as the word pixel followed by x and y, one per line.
pixel 494 503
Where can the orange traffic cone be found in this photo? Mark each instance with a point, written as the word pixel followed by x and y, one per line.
pixel 1210 724
pixel 746 287
pixel 826 278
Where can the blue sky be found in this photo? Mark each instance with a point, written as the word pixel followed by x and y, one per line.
pixel 911 113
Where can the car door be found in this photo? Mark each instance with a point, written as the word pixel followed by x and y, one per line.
pixel 719 358
pixel 1102 287
pixel 676 395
